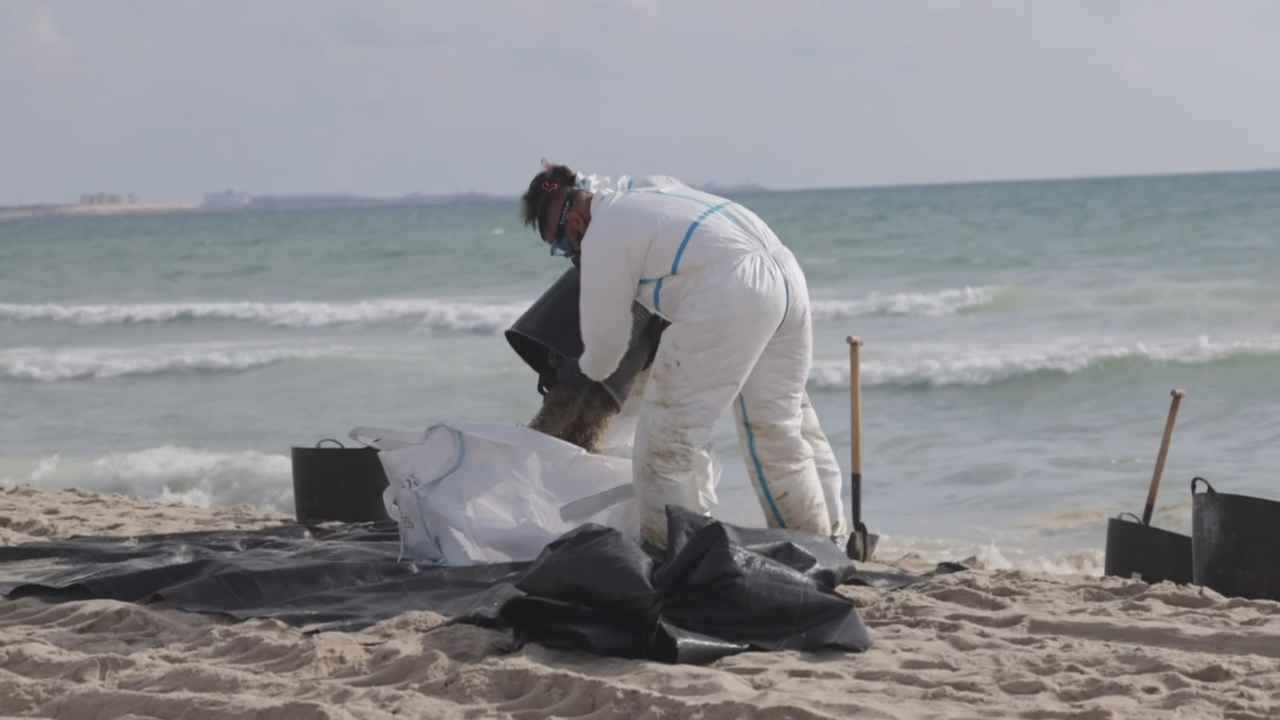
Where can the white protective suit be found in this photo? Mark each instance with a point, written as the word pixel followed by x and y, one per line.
pixel 741 337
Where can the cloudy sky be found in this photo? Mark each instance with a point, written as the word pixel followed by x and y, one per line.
pixel 173 98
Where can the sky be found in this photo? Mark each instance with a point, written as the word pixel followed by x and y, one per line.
pixel 171 99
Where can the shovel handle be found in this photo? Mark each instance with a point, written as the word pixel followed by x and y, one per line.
pixel 855 431
pixel 1164 452
pixel 855 405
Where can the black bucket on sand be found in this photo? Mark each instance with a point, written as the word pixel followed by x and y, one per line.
pixel 1137 550
pixel 1236 541
pixel 1146 553
pixel 338 484
pixel 549 334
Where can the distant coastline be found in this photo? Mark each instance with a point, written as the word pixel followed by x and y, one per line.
pixel 230 201
pixel 234 202
pixel 21 212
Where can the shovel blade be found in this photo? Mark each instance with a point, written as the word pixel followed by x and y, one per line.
pixel 862 544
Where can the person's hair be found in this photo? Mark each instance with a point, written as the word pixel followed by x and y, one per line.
pixel 551 179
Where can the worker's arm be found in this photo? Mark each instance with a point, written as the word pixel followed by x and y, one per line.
pixel 612 254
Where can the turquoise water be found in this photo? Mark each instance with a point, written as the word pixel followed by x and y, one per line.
pixel 1021 340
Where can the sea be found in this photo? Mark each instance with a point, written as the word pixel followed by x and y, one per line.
pixel 1021 341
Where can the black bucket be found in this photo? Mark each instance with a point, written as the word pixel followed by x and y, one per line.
pixel 1146 553
pixel 549 334
pixel 1237 543
pixel 338 484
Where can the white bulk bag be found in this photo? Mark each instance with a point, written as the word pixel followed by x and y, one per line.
pixel 469 493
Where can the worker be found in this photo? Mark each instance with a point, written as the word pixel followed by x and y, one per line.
pixel 740 337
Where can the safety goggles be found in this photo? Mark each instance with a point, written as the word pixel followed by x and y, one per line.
pixel 560 242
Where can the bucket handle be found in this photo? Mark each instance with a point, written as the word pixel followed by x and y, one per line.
pixel 1206 484
pixel 320 442
pixel 1135 517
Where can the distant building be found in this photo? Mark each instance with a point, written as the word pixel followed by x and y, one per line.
pixel 227 200
pixel 103 199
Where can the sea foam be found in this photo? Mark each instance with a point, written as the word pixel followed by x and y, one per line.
pixel 169 474
pixel 976 366
pixel 934 304
pixel 430 313
pixel 92 363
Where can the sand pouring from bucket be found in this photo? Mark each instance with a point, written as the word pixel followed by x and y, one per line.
pixel 862 544
pixel 1138 550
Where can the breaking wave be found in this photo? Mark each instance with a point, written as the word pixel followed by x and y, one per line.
pixel 430 313
pixel 936 304
pixel 167 474
pixel 434 314
pixel 61 364
pixel 987 367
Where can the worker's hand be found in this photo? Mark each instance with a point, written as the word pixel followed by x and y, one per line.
pixel 569 376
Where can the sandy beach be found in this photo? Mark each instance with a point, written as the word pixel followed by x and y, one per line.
pixel 974 644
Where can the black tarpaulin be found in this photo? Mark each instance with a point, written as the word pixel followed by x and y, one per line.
pixel 718 589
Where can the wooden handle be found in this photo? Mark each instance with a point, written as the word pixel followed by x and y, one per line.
pixel 855 406
pixel 1164 452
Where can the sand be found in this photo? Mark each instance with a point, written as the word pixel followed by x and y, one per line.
pixel 975 644
pixel 581 419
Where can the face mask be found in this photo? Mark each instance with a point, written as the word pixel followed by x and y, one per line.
pixel 561 246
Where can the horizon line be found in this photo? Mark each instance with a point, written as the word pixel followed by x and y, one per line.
pixel 817 188
pixel 754 186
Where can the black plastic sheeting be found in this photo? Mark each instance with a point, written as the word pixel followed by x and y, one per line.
pixel 718 589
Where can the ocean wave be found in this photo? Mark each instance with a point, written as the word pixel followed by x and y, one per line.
pixel 167 474
pixel 1008 554
pixel 431 313
pixel 55 365
pixel 980 367
pixel 935 304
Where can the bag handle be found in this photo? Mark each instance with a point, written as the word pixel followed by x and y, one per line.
pixel 386 438
pixel 585 507
pixel 459 452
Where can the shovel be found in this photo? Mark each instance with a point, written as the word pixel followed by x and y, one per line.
pixel 1139 551
pixel 862 544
